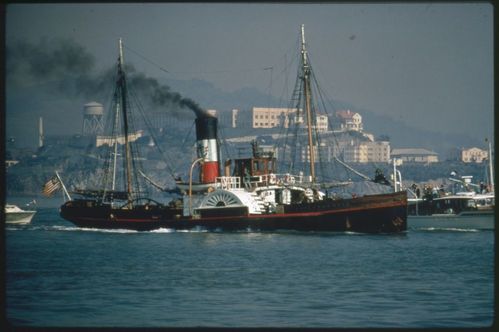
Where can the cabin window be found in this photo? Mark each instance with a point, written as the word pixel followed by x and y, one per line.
pixel 257 166
pixel 470 203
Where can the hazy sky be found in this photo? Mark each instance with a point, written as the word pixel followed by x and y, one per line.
pixel 428 65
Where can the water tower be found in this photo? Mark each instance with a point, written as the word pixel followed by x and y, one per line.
pixel 93 118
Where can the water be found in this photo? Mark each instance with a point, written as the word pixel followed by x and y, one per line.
pixel 59 275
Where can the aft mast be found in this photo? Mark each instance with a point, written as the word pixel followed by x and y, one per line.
pixel 491 168
pixel 128 158
pixel 306 91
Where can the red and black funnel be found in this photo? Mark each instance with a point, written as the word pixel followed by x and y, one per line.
pixel 207 148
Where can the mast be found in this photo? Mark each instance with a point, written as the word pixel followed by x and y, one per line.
pixel 306 91
pixel 491 168
pixel 115 154
pixel 40 133
pixel 128 159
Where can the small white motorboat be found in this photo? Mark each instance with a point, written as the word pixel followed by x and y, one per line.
pixel 16 215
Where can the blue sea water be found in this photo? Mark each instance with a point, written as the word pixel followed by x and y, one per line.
pixel 60 275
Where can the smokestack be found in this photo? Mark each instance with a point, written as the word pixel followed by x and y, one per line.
pixel 40 133
pixel 207 148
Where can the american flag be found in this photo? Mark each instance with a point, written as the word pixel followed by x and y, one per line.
pixel 51 186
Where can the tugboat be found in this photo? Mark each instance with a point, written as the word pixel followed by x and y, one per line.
pixel 249 196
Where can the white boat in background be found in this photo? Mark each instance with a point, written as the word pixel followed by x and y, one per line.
pixel 459 211
pixel 16 215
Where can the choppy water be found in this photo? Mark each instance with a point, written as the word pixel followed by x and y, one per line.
pixel 60 275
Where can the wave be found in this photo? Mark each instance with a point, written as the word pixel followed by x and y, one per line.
pixel 81 229
pixel 64 228
pixel 451 229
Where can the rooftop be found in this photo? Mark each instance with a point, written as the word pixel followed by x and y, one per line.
pixel 413 152
pixel 345 114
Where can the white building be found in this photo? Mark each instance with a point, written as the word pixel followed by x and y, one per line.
pixel 348 120
pixel 272 117
pixel 378 151
pixel 474 155
pixel 366 152
pixel 322 123
pixel 415 155
pixel 109 140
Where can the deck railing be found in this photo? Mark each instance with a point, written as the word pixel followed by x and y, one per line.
pixel 234 182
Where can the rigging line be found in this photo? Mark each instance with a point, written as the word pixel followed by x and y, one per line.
pixel 149 126
pixel 221 71
pixel 297 124
pixel 291 49
pixel 317 136
pixel 285 71
pixel 270 84
pixel 146 59
pixel 320 93
pixel 318 140
pixel 288 129
pixel 353 170
pixel 195 72
pixel 284 130
pixel 114 119
pixel 136 162
pixel 223 141
pixel 188 135
pixel 246 70
pixel 375 164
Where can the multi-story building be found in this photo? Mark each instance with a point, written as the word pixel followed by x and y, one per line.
pixel 356 153
pixel 351 152
pixel 378 152
pixel 348 120
pixel 272 117
pixel 365 152
pixel 322 123
pixel 474 155
pixel 415 155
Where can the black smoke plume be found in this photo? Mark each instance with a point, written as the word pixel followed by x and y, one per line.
pixel 49 60
pixel 160 94
pixel 63 67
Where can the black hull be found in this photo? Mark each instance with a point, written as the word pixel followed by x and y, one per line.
pixel 369 214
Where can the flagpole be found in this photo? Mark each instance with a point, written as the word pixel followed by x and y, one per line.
pixel 63 186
